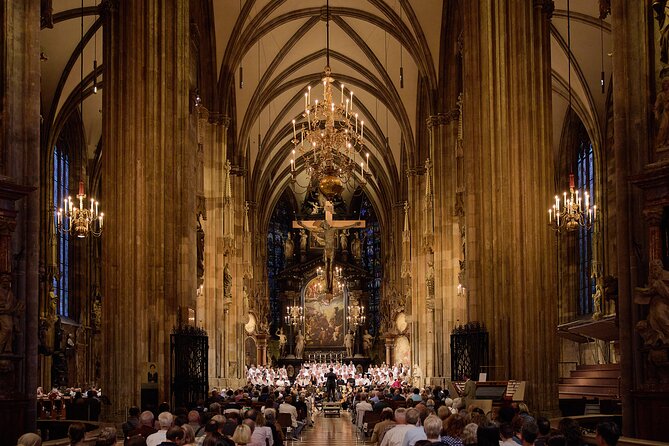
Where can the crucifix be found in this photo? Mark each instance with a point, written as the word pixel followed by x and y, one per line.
pixel 327 230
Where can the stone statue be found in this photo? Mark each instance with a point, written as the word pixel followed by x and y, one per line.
pixel 655 329
pixel 661 110
pixel 299 345
pixel 661 10
pixel 356 247
pixel 303 241
pixel 227 282
pixel 283 340
pixel 343 240
pixel 429 275
pixel 288 248
pixel 597 302
pixel 367 342
pixel 348 343
pixel 10 310
pixel 417 374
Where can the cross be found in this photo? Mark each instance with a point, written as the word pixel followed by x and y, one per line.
pixel 329 228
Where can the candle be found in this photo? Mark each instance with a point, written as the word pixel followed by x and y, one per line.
pixel 594 212
pixel 351 101
pixel 65 200
pixel 367 155
pixel 362 129
pixel 356 123
pixel 100 218
pixel 346 108
pixel 308 119
pixel 550 216
pixel 309 93
pixel 294 134
pixel 342 93
pixel 362 171
pixel 306 101
pixel 96 208
pixel 292 167
pixel 92 201
pixel 59 216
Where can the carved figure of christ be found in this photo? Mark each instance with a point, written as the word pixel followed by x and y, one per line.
pixel 327 229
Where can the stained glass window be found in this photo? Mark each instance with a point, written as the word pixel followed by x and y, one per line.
pixel 371 260
pixel 61 284
pixel 279 226
pixel 585 176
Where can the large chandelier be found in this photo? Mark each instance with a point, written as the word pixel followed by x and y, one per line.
pixel 338 282
pixel 80 221
pixel 573 211
pixel 294 315
pixel 356 315
pixel 331 136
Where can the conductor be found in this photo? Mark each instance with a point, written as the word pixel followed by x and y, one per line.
pixel 331 385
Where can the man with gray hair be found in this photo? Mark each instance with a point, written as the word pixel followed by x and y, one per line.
pixel 406 421
pixel 165 421
pixel 432 427
pixel 145 426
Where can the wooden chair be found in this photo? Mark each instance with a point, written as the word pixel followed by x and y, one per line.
pixel 369 420
pixel 286 423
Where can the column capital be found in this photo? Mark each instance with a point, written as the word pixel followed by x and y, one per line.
pixel 443 118
pixel 218 118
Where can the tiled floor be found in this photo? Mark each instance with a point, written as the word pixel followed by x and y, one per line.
pixel 331 432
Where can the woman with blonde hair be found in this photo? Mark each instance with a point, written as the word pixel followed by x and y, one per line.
pixel 189 434
pixel 242 435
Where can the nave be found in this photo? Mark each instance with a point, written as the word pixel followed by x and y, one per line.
pixel 328 431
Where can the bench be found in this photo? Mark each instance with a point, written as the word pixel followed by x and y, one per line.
pixel 331 409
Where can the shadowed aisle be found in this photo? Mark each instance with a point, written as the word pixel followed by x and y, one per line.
pixel 331 431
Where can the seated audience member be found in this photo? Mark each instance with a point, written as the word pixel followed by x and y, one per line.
pixel 443 412
pixel 195 424
pixel 571 431
pixel 189 435
pixel 76 433
pixel 29 439
pixel 262 434
pixel 469 434
pixel 387 421
pixel 452 430
pixel 544 431
pixel 405 422
pixel 487 435
pixel 173 437
pixel 363 406
pixel 415 396
pixel 529 432
pixel 608 434
pixel 417 432
pixel 270 421
pixel 132 422
pixel 432 429
pixel 242 435
pixel 506 435
pixel 145 426
pixel 287 407
pixel 165 421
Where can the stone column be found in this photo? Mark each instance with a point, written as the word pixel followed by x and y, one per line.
pixel 508 180
pixel 390 346
pixel 148 167
pixel 19 200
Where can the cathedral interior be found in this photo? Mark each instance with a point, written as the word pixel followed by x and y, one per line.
pixel 499 167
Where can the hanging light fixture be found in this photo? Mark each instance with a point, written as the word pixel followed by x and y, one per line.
pixel 82 220
pixel 356 315
pixel 294 315
pixel 576 208
pixel 331 136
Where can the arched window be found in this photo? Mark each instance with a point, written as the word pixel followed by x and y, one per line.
pixel 61 284
pixel 371 260
pixel 279 227
pixel 585 177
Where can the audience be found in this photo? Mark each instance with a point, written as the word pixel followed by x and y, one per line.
pixel 29 439
pixel 76 433
pixel 608 434
pixel 165 421
pixel 405 422
pixel 387 422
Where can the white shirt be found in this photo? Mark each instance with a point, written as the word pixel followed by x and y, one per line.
pixel 395 436
pixel 287 408
pixel 260 433
pixel 157 438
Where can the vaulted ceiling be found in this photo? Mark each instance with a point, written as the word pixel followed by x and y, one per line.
pixel 279 45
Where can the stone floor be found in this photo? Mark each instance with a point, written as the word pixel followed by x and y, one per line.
pixel 331 431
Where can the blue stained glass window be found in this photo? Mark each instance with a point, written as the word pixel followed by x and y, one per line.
pixel 279 226
pixel 371 261
pixel 585 177
pixel 61 284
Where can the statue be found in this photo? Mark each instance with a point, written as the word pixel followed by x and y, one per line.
pixel 655 329
pixel 10 309
pixel 356 247
pixel 343 240
pixel 367 342
pixel 227 282
pixel 348 343
pixel 417 374
pixel 283 340
pixel 299 345
pixel 661 110
pixel 303 241
pixel 661 9
pixel 597 302
pixel 288 248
